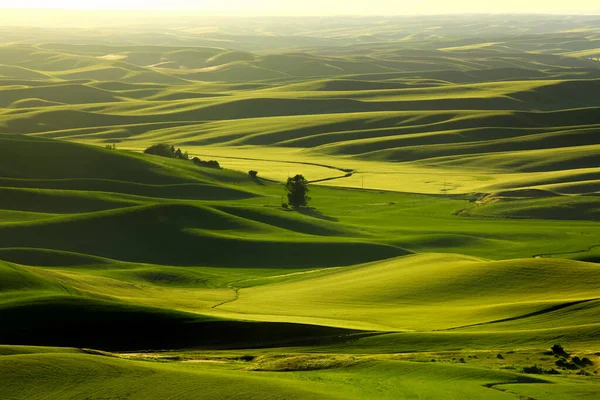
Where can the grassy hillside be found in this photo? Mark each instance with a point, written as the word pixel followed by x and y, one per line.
pixel 384 379
pixel 451 240
pixel 432 292
pixel 487 103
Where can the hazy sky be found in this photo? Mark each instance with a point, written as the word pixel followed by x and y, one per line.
pixel 325 7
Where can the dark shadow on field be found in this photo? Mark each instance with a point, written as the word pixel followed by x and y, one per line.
pixel 106 325
pixel 183 235
pixel 313 212
pixel 259 181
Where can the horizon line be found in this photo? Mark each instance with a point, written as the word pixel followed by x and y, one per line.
pixel 239 13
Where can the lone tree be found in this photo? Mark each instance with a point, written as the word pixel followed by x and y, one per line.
pixel 297 188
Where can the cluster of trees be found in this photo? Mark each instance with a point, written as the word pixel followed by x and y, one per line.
pixel 209 164
pixel 296 187
pixel 169 151
pixel 164 150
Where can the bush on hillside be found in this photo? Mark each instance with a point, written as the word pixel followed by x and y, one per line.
pixel 181 155
pixel 253 174
pixel 586 362
pixel 207 164
pixel 539 370
pixel 168 151
pixel 582 362
pixel 165 150
pixel 563 363
pixel 558 350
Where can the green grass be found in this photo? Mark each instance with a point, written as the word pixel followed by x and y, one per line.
pixel 567 207
pixel 454 213
pixel 430 292
pixel 109 377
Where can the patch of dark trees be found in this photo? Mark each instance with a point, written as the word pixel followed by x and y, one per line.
pixel 169 151
pixel 564 361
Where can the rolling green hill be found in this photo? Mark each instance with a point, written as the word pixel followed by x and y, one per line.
pixel 451 240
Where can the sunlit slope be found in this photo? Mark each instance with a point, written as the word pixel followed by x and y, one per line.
pixel 106 376
pixel 140 208
pixel 74 311
pixel 173 64
pixel 48 258
pixel 17 280
pixel 231 104
pixel 507 141
pixel 74 169
pixel 465 155
pixel 512 105
pixel 536 204
pixel 434 292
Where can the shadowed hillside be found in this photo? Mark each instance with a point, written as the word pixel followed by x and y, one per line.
pixel 448 249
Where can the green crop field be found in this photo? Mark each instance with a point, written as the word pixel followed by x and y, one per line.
pixel 452 238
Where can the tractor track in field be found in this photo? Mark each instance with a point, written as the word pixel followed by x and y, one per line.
pixel 237 296
pixel 495 386
pixel 347 171
pixel 567 252
pixel 529 315
pixel 237 289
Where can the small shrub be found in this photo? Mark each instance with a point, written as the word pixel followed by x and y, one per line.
pixel 539 370
pixel 533 370
pixel 285 205
pixel 564 363
pixel 253 174
pixel 170 358
pixel 581 362
pixel 206 164
pixel 500 356
pixel 462 361
pixel 586 362
pixel 110 147
pixel 559 350
pixel 583 373
pixel 561 363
